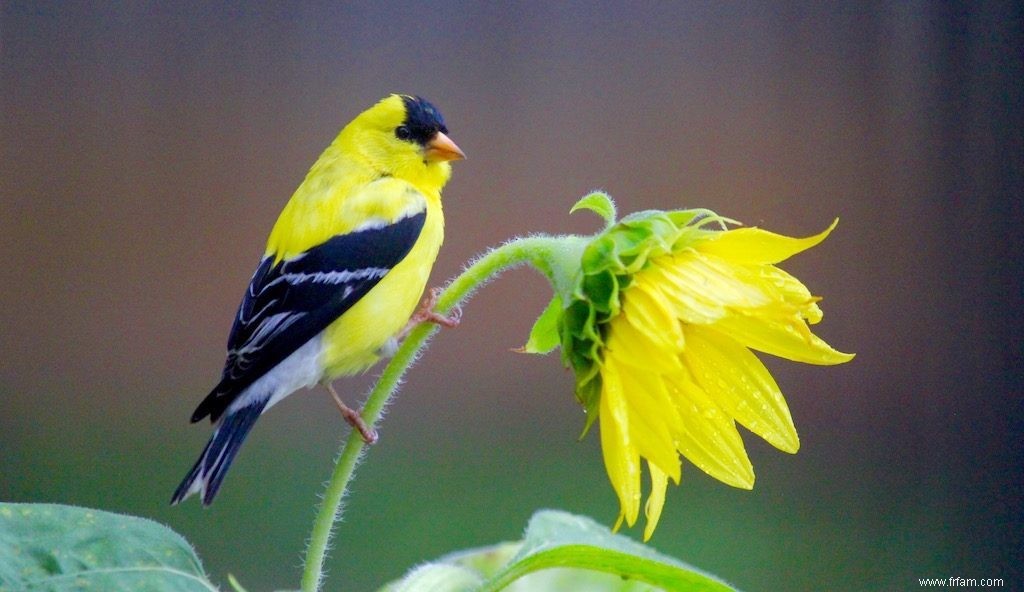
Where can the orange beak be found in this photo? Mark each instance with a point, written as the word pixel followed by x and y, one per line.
pixel 441 149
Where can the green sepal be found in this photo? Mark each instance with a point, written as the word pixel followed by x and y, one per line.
pixel 589 395
pixel 580 340
pixel 602 290
pixel 544 336
pixel 600 203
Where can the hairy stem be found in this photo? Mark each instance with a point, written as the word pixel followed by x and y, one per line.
pixel 544 253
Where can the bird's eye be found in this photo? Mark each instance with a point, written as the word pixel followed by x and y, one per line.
pixel 403 132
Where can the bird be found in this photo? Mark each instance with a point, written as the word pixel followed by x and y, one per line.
pixel 337 288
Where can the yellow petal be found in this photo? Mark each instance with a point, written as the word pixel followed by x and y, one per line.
pixel 655 501
pixel 811 313
pixel 705 286
pixel 620 457
pixel 718 278
pixel 637 348
pixel 780 286
pixel 753 245
pixel 649 395
pixel 651 313
pixel 648 427
pixel 739 382
pixel 788 288
pixel 618 522
pixel 685 304
pixel 709 439
pixel 784 336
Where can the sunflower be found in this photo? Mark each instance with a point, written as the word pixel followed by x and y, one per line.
pixel 660 328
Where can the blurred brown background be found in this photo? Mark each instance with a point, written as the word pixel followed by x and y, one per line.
pixel 147 149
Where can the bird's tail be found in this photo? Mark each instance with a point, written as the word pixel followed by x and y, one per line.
pixel 208 473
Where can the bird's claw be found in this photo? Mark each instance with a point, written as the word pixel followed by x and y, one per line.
pixel 451 320
pixel 426 314
pixel 368 434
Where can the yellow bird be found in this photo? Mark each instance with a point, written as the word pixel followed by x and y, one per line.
pixel 337 288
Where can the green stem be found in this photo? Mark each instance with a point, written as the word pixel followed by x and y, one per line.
pixel 548 254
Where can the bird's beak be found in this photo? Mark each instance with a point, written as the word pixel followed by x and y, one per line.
pixel 441 148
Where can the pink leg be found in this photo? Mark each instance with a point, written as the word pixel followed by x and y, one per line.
pixel 352 417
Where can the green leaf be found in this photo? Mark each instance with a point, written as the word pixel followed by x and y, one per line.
pixel 437 577
pixel 600 203
pixel 544 336
pixel 566 552
pixel 459 572
pixel 54 548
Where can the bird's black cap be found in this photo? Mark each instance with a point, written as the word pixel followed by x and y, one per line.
pixel 422 121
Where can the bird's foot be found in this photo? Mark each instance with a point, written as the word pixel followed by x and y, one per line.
pixel 353 418
pixel 426 314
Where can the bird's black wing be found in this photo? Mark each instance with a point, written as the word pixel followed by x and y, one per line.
pixel 291 301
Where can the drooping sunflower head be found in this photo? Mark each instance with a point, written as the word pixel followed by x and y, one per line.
pixel 659 327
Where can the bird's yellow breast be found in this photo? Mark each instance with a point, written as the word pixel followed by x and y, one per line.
pixel 353 342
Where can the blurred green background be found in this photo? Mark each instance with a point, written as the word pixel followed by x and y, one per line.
pixel 148 147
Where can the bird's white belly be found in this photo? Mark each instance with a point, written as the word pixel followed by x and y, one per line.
pixel 302 369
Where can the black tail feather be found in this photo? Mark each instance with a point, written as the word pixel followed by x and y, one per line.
pixel 216 458
pixel 215 403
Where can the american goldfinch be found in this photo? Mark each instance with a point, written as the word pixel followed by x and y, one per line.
pixel 344 268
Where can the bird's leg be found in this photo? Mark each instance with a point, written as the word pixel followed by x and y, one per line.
pixel 352 417
pixel 426 314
